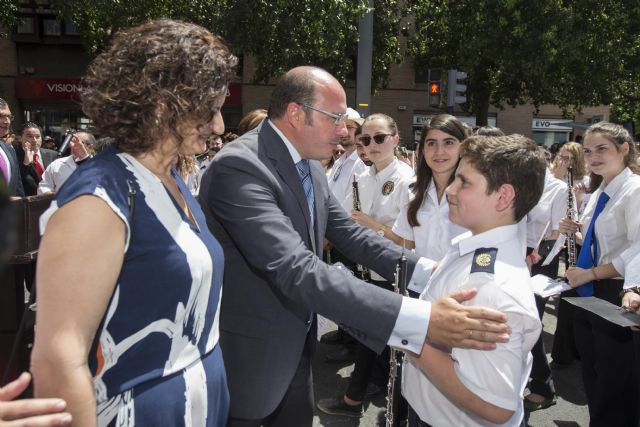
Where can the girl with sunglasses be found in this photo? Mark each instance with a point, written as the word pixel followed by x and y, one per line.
pixel 382 187
pixel 609 226
pixel 423 223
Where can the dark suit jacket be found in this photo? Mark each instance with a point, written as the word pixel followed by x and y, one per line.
pixel 274 276
pixel 15 184
pixel 30 178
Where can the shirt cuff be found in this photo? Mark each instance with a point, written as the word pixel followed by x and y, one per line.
pixel 421 274
pixel 411 325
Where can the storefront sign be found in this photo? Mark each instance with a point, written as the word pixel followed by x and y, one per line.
pixel 32 88
pixel 551 124
pixel 419 119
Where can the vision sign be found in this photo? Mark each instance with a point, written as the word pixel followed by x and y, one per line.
pixel 32 88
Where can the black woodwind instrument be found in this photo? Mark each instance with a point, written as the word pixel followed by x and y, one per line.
pixel 394 415
pixel 362 271
pixel 573 216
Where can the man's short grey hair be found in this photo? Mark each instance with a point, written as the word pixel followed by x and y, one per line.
pixel 295 86
pixel 3 103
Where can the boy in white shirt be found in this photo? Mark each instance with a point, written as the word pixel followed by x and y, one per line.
pixel 498 181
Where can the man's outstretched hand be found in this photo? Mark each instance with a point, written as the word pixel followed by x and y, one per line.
pixel 455 325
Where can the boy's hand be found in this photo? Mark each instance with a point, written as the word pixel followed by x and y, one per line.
pixel 455 325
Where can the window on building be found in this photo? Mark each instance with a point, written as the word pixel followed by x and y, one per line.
pixel 548 138
pixel 51 27
pixel 26 25
pixel 71 29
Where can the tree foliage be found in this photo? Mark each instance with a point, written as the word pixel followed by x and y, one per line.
pixel 8 17
pixel 279 34
pixel 564 52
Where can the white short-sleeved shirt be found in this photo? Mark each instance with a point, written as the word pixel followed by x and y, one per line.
pixel 56 174
pixel 492 263
pixel 618 226
pixel 341 177
pixel 433 236
pixel 551 208
pixel 382 194
pixel 630 266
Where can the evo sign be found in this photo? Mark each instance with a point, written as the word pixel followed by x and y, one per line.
pixel 551 124
pixel 33 88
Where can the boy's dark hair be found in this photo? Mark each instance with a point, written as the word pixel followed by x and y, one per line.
pixel 512 159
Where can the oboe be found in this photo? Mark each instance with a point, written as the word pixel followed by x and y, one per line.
pixel 572 215
pixel 396 357
pixel 363 271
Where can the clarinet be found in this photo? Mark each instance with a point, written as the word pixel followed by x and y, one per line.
pixel 396 358
pixel 363 272
pixel 572 215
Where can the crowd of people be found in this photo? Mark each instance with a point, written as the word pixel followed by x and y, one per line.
pixel 197 260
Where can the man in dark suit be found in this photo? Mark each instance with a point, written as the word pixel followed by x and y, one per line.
pixel 267 201
pixel 9 166
pixel 33 159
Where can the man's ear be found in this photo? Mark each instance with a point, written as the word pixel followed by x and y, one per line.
pixel 295 114
pixel 506 197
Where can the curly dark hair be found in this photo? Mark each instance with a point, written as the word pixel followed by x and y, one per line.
pixel 154 77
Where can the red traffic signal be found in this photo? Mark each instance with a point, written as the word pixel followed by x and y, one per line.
pixel 434 87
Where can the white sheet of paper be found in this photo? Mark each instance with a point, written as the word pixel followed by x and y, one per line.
pixel 557 247
pixel 546 286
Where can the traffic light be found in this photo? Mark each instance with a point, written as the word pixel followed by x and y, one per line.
pixel 435 87
pixel 455 87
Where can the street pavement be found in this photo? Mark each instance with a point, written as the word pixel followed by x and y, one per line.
pixel 570 410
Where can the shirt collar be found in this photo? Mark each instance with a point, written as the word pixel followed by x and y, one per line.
pixel 612 188
pixel 467 242
pixel 386 172
pixel 292 150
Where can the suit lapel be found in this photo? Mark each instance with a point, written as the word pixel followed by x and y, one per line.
pixel 277 151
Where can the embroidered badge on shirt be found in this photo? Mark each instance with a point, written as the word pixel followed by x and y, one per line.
pixel 387 188
pixel 484 260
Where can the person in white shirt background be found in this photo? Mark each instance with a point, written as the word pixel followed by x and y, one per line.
pixel 542 225
pixel 383 188
pixel 423 223
pixel 349 164
pixel 81 146
pixel 606 350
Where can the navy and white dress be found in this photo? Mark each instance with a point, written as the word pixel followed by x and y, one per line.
pixel 156 359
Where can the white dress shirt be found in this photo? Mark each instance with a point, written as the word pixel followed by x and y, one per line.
pixel 382 194
pixel 546 215
pixel 618 226
pixel 433 236
pixel 341 177
pixel 56 174
pixel 499 376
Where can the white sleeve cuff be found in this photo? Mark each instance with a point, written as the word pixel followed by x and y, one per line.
pixel 421 275
pixel 411 325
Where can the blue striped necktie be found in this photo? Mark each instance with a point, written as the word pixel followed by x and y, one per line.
pixel 305 176
pixel 588 259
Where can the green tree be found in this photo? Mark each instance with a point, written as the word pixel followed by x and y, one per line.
pixel 279 34
pixel 8 17
pixel 518 51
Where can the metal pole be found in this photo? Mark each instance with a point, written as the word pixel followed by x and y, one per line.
pixel 365 61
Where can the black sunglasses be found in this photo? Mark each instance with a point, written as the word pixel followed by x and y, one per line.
pixel 379 139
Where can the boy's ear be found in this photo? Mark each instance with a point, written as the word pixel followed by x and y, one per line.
pixel 507 197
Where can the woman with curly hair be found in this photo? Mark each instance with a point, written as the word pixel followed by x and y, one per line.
pixel 144 274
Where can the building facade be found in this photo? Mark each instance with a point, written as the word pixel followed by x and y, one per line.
pixel 43 62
